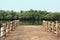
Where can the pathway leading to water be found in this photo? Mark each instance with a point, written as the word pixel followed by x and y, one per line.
pixel 31 32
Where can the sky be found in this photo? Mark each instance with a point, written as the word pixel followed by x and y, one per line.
pixel 17 5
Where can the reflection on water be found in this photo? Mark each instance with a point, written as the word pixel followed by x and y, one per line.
pixel 30 22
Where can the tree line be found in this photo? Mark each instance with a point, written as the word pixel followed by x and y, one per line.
pixel 29 15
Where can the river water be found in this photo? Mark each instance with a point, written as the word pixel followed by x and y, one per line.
pixel 30 22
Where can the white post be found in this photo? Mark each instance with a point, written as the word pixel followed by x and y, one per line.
pixel 57 28
pixel 49 26
pixel 53 27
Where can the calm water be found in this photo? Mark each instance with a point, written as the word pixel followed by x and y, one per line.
pixel 30 22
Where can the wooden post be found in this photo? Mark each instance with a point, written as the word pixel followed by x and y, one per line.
pixel 53 27
pixel 7 28
pixel 59 29
pixel 11 26
pixel 45 24
pixel 49 28
pixel 3 30
pixel 56 28
pixel 0 31
pixel 12 23
pixel 15 23
pixel 18 22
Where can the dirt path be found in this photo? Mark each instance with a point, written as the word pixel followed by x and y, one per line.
pixel 31 32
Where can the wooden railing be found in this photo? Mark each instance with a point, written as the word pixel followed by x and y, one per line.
pixel 52 26
pixel 8 27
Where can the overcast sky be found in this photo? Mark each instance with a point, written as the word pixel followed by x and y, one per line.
pixel 17 5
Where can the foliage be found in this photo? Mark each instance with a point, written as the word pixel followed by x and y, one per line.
pixel 29 15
